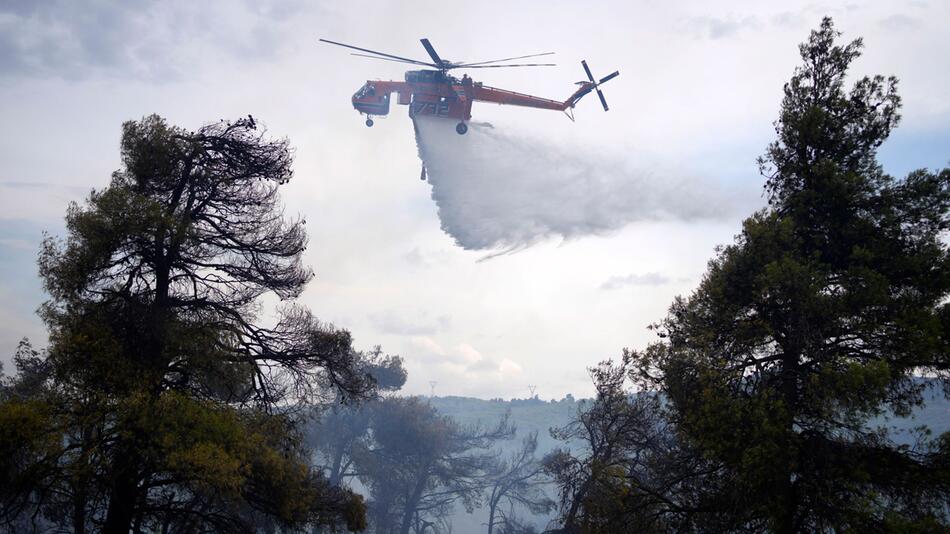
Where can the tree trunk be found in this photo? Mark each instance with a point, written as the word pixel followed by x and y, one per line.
pixel 570 518
pixel 335 474
pixel 412 502
pixel 79 511
pixel 785 523
pixel 491 516
pixel 81 482
pixel 122 501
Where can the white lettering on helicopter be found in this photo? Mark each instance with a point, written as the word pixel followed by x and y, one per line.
pixel 440 109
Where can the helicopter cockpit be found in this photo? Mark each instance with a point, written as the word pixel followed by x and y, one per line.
pixel 365 91
pixel 366 101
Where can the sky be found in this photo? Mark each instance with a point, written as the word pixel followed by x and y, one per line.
pixel 481 301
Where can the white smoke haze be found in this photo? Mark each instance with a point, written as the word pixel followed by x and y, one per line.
pixel 501 192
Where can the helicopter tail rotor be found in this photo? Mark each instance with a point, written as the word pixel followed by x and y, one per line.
pixel 595 84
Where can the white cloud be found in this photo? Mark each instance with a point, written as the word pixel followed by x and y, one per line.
pixel 375 239
pixel 463 361
pixel 709 27
pixel 470 354
pixel 428 351
pixel 899 22
pixel 425 347
pixel 483 366
pixel 491 371
pixel 152 40
pixel 646 279
pixel 410 322
pixel 508 368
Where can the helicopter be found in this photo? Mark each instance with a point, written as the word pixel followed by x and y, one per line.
pixel 435 92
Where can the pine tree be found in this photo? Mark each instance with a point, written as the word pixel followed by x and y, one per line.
pixel 162 401
pixel 820 318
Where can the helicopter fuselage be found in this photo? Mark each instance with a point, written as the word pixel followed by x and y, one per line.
pixel 426 92
pixel 437 94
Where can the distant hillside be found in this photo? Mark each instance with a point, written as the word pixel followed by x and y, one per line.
pixel 536 415
pixel 532 414
pixel 526 414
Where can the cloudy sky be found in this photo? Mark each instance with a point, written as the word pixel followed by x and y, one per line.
pixel 486 282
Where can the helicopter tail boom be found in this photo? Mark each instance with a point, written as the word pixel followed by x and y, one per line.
pixel 484 93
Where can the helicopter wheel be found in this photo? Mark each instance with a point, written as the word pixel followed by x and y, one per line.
pixel 369 123
pixel 461 128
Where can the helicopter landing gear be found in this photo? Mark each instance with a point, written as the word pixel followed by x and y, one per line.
pixel 461 128
pixel 369 123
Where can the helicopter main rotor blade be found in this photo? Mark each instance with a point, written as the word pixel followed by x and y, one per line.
pixel 503 66
pixel 439 62
pixel 388 59
pixel 407 60
pixel 500 60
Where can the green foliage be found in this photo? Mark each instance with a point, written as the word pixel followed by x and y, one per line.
pixel 518 482
pixel 415 464
pixel 625 470
pixel 158 404
pixel 26 443
pixel 816 320
pixel 776 372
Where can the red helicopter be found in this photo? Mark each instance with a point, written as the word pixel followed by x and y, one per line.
pixel 437 93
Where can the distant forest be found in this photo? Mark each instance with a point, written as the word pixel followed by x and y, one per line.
pixel 534 417
pixel 801 387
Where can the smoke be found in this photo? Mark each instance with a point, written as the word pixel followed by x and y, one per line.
pixel 500 192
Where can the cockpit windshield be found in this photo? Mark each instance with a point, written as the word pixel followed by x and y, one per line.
pixel 365 91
